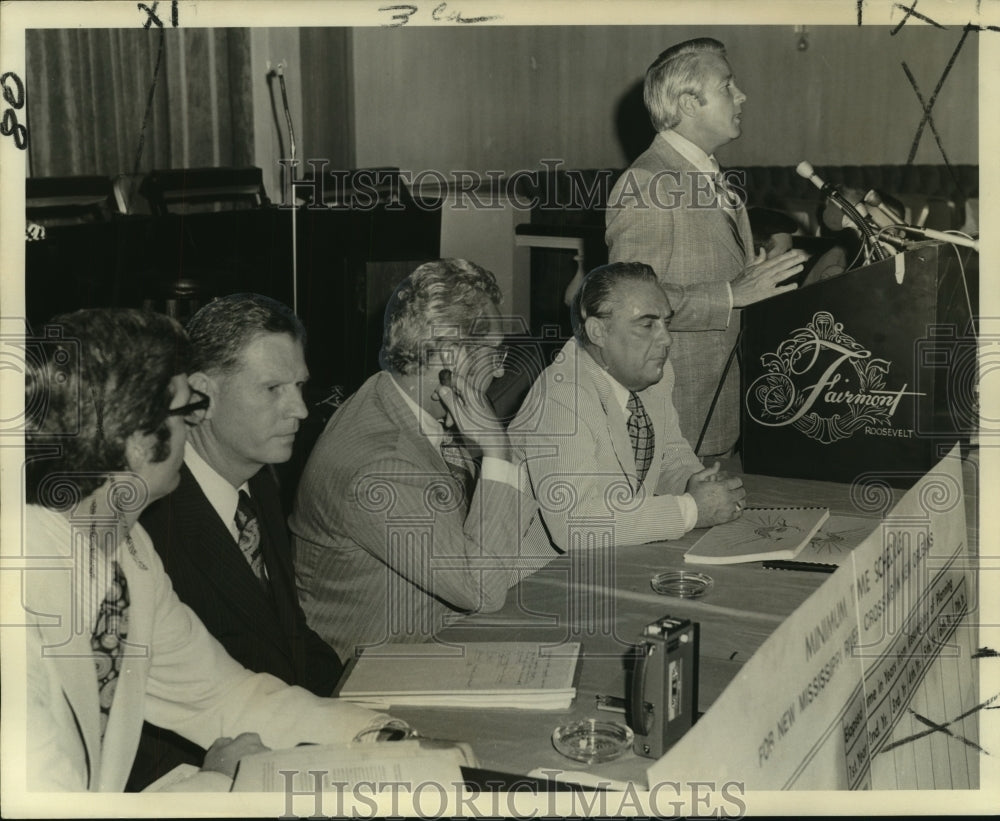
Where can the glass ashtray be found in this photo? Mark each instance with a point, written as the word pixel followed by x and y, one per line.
pixel 682 584
pixel 591 741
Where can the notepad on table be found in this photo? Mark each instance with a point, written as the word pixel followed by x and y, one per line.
pixel 514 675
pixel 760 534
pixel 831 544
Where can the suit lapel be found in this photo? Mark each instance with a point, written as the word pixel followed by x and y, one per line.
pixel 406 423
pixel 721 222
pixel 613 415
pixel 277 555
pixel 224 565
pixel 75 662
pixel 62 611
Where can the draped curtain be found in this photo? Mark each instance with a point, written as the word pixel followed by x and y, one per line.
pixel 88 89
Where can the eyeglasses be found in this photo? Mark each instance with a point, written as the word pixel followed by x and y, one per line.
pixel 498 352
pixel 194 411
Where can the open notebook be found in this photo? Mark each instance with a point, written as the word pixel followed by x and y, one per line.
pixel 760 534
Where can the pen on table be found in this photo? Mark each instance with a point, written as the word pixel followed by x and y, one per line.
pixel 785 564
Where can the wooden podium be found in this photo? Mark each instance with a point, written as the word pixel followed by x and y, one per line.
pixel 873 372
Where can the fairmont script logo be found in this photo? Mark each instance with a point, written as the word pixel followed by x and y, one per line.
pixel 825 384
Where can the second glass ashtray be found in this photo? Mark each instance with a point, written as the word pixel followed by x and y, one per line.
pixel 591 741
pixel 683 584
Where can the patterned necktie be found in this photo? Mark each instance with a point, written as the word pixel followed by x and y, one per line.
pixel 249 530
pixel 107 639
pixel 461 464
pixel 640 431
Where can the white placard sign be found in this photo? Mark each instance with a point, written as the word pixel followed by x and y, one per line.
pixel 870 683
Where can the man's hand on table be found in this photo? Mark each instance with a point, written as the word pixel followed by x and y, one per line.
pixel 719 496
pixel 225 753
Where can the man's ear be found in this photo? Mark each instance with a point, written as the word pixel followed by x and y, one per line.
pixel 201 381
pixel 594 327
pixel 688 104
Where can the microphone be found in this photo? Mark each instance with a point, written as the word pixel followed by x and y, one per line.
pixel 955 239
pixel 805 169
pixel 867 226
pixel 883 212
pixel 874 198
pixel 830 191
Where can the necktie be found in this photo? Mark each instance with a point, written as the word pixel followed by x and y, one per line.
pixel 730 202
pixel 460 463
pixel 249 530
pixel 640 431
pixel 107 639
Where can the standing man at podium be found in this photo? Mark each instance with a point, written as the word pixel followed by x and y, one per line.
pixel 675 211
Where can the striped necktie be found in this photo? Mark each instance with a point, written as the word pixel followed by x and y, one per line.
pixel 730 203
pixel 640 431
pixel 461 464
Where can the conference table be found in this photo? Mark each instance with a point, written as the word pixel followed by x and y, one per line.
pixel 602 597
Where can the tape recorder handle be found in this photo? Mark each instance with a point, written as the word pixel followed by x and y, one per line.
pixel 639 718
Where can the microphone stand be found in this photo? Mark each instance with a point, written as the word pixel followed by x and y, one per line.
pixel 279 69
pixel 869 231
pixel 869 234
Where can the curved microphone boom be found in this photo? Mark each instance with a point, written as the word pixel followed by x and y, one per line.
pixel 866 226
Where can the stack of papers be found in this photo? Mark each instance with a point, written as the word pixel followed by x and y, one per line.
pixel 345 766
pixel 513 675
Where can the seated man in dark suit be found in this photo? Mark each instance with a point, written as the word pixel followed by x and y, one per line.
pixel 222 533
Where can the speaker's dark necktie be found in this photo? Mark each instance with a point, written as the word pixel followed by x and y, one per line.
pixel 731 203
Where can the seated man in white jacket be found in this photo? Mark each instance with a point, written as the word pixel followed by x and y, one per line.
pixel 604 450
pixel 107 412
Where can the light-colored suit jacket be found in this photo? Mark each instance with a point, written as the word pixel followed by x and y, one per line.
pixel 174 672
pixel 386 546
pixel 575 435
pixel 662 212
